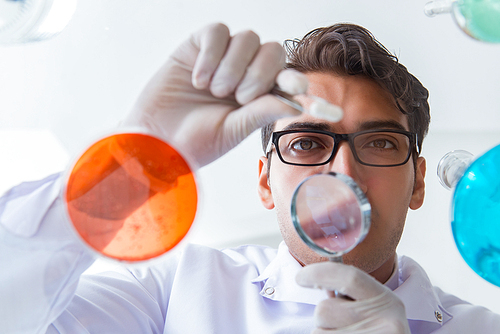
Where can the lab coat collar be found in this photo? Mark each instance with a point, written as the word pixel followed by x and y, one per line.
pixel 278 280
pixel 418 294
pixel 415 289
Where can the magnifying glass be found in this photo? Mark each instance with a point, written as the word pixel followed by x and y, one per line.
pixel 331 214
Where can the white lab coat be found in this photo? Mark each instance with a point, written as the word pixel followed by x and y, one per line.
pixel 250 289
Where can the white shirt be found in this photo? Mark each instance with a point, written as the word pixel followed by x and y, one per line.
pixel 250 289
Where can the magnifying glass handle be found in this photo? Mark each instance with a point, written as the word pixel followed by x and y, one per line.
pixel 335 293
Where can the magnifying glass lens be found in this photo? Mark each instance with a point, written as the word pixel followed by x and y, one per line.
pixel 330 213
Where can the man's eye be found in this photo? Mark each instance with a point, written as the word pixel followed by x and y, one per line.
pixel 304 144
pixel 381 144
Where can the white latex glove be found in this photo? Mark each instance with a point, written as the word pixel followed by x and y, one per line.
pixel 375 309
pixel 212 92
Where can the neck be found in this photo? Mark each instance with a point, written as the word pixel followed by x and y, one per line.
pixel 384 272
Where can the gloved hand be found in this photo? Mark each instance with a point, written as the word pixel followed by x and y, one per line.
pixel 212 92
pixel 372 307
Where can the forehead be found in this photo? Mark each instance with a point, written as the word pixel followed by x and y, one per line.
pixel 366 105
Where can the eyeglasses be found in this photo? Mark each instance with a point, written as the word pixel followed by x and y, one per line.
pixel 380 147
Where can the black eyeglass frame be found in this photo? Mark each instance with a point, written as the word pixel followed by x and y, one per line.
pixel 337 139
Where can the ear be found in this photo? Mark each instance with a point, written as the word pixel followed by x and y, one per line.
pixel 417 198
pixel 264 189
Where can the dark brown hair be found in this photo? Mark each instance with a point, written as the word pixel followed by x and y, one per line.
pixel 348 49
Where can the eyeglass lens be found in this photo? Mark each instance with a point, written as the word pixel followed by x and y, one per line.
pixel 374 148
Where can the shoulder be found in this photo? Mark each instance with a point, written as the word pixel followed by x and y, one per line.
pixel 465 315
pixel 458 316
pixel 203 258
pixel 253 258
pixel 258 255
pixel 191 262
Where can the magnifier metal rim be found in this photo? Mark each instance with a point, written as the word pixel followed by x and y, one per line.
pixel 364 206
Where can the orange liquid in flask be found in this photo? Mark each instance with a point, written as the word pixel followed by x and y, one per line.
pixel 131 197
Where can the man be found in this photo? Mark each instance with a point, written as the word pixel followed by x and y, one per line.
pixel 210 95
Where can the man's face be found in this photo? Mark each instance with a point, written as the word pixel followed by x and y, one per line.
pixel 390 190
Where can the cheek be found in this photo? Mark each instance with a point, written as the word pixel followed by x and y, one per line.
pixel 283 183
pixel 389 195
pixel 282 186
pixel 391 192
pixel 284 179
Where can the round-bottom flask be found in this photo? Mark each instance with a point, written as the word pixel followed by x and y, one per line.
pixel 479 19
pixel 476 214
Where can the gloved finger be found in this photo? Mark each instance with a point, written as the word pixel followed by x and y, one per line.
pixel 261 74
pixel 240 52
pixel 261 111
pixel 292 82
pixel 347 280
pixel 334 313
pixel 212 42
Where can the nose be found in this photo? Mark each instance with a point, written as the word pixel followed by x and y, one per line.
pixel 345 163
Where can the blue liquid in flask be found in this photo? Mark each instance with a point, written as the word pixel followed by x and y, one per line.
pixel 476 216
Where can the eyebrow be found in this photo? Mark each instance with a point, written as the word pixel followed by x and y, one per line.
pixel 307 126
pixel 369 125
pixel 387 124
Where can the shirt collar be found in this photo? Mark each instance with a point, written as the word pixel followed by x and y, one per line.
pixel 393 281
pixel 408 281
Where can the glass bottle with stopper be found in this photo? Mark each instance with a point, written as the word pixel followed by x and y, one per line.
pixel 475 209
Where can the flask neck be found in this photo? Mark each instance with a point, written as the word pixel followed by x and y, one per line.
pixel 436 7
pixel 452 167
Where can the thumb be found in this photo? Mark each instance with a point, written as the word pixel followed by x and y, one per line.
pixel 256 114
pixel 267 108
pixel 346 279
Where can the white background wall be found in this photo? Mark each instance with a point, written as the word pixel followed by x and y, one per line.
pixel 56 96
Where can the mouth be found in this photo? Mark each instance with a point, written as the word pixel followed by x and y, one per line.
pixel 333 230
